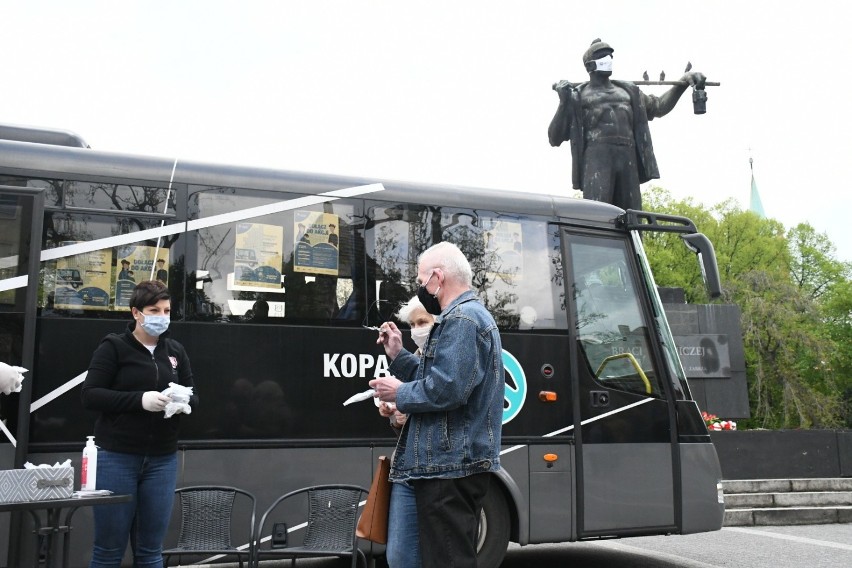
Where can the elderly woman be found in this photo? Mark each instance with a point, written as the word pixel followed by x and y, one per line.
pixel 403 548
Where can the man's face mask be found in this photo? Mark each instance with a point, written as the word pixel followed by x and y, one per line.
pixel 604 64
pixel 429 301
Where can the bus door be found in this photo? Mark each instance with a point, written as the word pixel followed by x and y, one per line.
pixel 21 215
pixel 624 449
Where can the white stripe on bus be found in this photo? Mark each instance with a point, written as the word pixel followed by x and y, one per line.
pixel 583 423
pixel 110 242
pixel 193 225
pixel 57 392
pixel 12 283
pixel 8 434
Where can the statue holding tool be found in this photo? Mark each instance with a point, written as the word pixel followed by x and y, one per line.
pixel 606 122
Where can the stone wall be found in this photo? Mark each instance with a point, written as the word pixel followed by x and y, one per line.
pixel 784 454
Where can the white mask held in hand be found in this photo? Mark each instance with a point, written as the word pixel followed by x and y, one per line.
pixel 420 335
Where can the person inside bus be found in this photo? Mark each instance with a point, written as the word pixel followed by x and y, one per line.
pixel 138 446
pixel 459 382
pixel 259 311
pixel 403 547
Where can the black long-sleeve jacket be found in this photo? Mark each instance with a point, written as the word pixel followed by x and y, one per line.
pixel 120 372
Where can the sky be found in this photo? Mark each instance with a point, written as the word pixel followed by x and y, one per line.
pixel 445 92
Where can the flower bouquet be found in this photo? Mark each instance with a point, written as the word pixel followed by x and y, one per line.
pixel 714 423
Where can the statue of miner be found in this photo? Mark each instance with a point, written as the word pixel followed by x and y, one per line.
pixel 607 124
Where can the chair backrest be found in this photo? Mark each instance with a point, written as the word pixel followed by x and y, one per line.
pixel 206 517
pixel 332 514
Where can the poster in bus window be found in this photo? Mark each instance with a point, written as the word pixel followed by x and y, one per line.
pixel 133 264
pixel 316 238
pixel 82 281
pixel 504 247
pixel 258 254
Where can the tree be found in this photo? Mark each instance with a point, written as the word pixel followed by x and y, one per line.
pixel 796 304
pixel 790 384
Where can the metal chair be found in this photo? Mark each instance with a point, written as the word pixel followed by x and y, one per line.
pixel 332 513
pixel 206 522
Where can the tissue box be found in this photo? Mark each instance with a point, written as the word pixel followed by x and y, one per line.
pixel 37 484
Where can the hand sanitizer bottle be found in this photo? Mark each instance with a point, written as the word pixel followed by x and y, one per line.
pixel 89 474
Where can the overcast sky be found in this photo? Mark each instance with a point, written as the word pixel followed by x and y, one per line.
pixel 448 92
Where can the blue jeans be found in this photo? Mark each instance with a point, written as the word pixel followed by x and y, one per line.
pixel 151 481
pixel 403 549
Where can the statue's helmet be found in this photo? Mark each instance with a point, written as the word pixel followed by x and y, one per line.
pixel 596 46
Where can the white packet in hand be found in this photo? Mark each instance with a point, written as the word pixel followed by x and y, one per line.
pixel 180 399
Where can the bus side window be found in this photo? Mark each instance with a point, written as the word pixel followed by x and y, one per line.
pixel 511 256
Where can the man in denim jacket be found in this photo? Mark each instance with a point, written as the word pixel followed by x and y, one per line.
pixel 453 395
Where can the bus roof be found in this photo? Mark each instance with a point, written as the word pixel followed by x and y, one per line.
pixel 59 162
pixel 38 135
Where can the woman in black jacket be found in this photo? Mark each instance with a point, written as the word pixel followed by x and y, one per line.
pixel 138 445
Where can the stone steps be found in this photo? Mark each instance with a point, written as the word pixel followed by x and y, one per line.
pixel 751 502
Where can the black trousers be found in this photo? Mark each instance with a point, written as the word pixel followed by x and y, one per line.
pixel 448 515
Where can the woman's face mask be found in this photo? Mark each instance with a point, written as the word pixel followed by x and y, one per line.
pixel 420 335
pixel 155 325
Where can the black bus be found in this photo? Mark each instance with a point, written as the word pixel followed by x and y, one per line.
pixel 601 435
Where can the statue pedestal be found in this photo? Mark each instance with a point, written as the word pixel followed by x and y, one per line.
pixel 710 346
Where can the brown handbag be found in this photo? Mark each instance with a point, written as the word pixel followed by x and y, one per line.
pixel 373 524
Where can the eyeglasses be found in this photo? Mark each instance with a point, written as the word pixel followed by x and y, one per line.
pixel 431 274
pixel 374 306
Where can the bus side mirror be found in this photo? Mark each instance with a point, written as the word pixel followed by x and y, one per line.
pixel 701 245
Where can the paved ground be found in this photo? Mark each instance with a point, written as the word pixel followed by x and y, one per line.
pixel 811 546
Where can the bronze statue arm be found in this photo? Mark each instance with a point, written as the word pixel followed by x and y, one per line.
pixel 560 127
pixel 661 106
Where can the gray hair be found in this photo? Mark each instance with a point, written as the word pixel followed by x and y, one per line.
pixel 404 313
pixel 449 258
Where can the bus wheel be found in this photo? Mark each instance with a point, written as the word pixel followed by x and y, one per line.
pixel 494 526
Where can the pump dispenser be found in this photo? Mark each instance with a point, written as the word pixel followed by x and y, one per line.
pixel 89 474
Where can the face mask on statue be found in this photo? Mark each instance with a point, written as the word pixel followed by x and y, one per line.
pixel 420 335
pixel 155 325
pixel 604 64
pixel 430 301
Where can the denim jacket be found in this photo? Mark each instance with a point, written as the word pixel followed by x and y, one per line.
pixel 453 394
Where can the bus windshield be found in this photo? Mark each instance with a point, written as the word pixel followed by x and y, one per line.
pixel 614 335
pixel 665 333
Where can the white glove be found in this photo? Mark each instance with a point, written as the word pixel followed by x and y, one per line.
pixel 152 401
pixel 10 378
